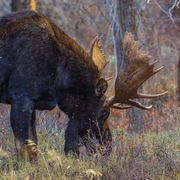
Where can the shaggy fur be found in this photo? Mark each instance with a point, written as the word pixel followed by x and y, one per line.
pixel 41 67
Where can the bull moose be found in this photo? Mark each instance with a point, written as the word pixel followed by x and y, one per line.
pixel 41 67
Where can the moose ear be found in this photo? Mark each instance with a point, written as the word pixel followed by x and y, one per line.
pixel 101 87
pixel 97 54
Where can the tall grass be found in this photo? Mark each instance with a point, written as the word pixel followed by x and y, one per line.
pixel 148 156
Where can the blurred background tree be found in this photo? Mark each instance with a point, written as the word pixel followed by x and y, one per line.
pixel 124 18
pixel 17 5
pixel 179 76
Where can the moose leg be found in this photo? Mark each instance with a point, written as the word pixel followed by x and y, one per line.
pixel 71 138
pixel 22 122
pixel 32 144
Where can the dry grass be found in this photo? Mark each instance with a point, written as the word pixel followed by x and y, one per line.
pixel 150 156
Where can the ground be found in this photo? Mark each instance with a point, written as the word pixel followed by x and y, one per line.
pixel 147 156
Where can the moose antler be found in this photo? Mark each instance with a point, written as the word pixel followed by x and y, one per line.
pixel 135 70
pixel 97 54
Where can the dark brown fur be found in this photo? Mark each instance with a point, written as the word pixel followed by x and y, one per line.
pixel 41 67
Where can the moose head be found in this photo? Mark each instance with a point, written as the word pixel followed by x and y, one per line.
pixel 134 71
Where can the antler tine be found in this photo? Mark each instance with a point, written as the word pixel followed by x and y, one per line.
pixel 138 104
pixel 149 73
pixel 109 78
pixel 97 54
pixel 121 107
pixel 135 70
pixel 150 96
pixel 157 70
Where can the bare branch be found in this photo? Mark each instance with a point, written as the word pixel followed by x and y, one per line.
pixel 169 13
pixel 171 9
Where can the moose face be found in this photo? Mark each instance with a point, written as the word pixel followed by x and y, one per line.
pixel 94 130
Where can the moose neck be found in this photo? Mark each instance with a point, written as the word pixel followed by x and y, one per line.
pixel 74 79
